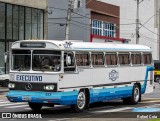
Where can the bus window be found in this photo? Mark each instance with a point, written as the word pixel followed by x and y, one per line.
pixel 124 59
pixel 136 58
pixel 97 59
pixel 69 66
pixel 46 60
pixel 147 58
pixel 21 60
pixel 111 58
pixel 82 59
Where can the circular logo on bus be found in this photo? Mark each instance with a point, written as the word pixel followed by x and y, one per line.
pixel 28 86
pixel 113 75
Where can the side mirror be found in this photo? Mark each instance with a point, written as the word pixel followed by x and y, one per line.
pixel 68 60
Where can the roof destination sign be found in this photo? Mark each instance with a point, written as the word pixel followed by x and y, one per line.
pixel 33 45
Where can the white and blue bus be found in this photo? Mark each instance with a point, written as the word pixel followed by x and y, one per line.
pixel 49 72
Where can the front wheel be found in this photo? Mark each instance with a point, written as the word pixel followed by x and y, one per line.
pixel 81 102
pixel 35 106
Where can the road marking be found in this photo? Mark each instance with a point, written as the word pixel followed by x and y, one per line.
pixel 11 104
pixel 152 101
pixel 4 102
pixel 17 106
pixel 114 110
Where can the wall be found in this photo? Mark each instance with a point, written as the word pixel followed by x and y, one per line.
pixel 40 4
pixel 79 27
pixel 32 3
pixel 128 18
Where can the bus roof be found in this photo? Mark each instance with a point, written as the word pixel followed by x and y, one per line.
pixel 85 46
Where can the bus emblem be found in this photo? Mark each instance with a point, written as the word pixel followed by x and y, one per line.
pixel 28 86
pixel 113 75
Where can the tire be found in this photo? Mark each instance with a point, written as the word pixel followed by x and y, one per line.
pixel 135 98
pixel 35 106
pixel 81 102
pixel 157 79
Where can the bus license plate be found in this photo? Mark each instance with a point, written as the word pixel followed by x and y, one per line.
pixel 26 98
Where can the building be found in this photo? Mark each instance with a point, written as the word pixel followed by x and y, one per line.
pixel 20 20
pixel 148 16
pixel 91 20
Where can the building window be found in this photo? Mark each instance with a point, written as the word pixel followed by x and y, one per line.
pixel 103 28
pixel 109 29
pixel 97 27
pixel 9 21
pixel 15 22
pixel 34 23
pixel 2 21
pixel 40 24
pixel 21 23
pixel 28 23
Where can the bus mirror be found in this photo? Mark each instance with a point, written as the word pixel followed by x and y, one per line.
pixel 68 60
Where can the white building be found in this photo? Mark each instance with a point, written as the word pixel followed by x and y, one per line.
pixel 148 32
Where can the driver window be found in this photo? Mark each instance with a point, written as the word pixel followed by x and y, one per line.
pixel 69 61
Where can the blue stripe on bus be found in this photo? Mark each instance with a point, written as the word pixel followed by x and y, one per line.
pixel 68 98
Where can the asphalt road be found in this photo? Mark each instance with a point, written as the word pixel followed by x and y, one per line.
pixel 110 110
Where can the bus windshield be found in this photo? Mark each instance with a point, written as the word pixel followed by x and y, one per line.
pixel 21 60
pixel 46 60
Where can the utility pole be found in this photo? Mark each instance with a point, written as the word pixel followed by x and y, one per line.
pixel 137 22
pixel 68 19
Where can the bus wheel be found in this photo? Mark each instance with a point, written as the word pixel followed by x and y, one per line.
pixel 135 98
pixel 35 106
pixel 157 79
pixel 81 102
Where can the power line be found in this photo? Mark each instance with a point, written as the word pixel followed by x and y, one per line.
pixel 148 20
pixel 150 30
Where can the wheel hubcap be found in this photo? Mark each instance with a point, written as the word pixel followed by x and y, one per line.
pixel 136 94
pixel 81 100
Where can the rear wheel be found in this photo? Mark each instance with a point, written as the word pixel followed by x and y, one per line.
pixel 81 102
pixel 135 98
pixel 35 106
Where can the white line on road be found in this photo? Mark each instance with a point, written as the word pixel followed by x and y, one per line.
pixel 114 110
pixel 18 106
pixel 11 104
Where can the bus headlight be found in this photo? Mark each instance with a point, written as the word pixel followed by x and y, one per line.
pixel 49 87
pixel 11 86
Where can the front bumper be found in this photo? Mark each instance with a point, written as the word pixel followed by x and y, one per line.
pixel 60 98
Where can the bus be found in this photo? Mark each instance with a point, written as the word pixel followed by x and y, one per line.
pixel 157 71
pixel 52 72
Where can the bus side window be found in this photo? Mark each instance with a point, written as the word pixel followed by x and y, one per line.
pixel 71 66
pixel 82 59
pixel 111 59
pixel 124 59
pixel 97 59
pixel 147 58
pixel 136 58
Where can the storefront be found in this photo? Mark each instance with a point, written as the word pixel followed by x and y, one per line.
pixel 18 23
